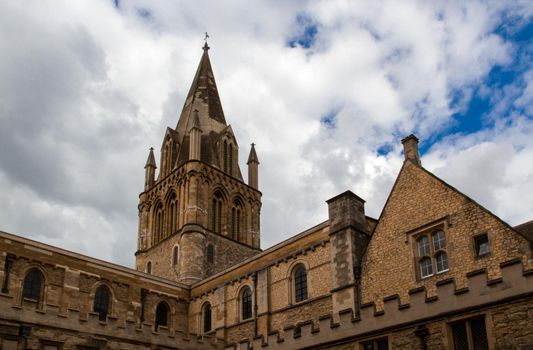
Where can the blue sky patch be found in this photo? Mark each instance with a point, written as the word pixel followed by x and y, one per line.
pixel 144 13
pixel 329 120
pixel 500 83
pixel 306 33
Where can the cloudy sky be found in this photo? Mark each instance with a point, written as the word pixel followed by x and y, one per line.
pixel 326 89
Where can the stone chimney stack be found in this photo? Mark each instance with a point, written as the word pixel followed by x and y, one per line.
pixel 349 239
pixel 410 149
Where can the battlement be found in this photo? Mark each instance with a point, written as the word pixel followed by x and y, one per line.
pixel 515 284
pixel 128 330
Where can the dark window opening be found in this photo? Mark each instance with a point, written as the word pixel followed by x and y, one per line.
pixel 175 256
pixel 149 268
pixel 470 335
pixel 300 284
pixel 482 245
pixel 207 318
pixel 246 303
pixel 210 254
pixel 297 332
pixel 161 315
pixel 101 302
pixel 379 344
pixel 32 285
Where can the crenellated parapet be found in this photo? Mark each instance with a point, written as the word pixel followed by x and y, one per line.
pixel 139 309
pixel 482 297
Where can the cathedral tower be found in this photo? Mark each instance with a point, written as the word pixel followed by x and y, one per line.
pixel 198 216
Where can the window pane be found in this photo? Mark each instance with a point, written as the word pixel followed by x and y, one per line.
pixel 300 284
pixel 460 338
pixel 207 317
pixel 423 246
pixel 383 344
pixel 101 302
pixel 161 315
pixel 246 304
pixel 442 262
pixel 439 240
pixel 32 285
pixel 482 245
pixel 479 334
pixel 426 269
pixel 368 346
pixel 210 254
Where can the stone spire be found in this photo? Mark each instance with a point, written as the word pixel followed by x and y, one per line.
pixel 203 96
pixel 253 171
pixel 149 170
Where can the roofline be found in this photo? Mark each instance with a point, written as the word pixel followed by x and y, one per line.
pixel 98 262
pixel 264 252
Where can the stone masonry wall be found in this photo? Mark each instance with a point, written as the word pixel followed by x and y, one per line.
pixel 418 199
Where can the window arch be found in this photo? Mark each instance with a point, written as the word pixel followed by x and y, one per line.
pixel 101 302
pixel 237 220
pixel 158 222
pixel 172 213
pixel 225 156
pixel 216 212
pixel 149 267
pixel 33 286
pixel 246 303
pixel 210 254
pixel 230 159
pixel 175 255
pixel 300 283
pixel 206 317
pixel 161 315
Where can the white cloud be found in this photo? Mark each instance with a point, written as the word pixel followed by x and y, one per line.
pixel 86 88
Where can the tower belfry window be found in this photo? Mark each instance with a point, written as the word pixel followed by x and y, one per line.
pixel 225 156
pixel 230 160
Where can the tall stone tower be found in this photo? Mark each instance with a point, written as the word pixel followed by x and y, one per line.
pixel 198 216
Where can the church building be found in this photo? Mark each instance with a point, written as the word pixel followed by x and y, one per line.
pixel 435 270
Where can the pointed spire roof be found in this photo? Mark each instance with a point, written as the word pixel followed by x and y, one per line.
pixel 203 96
pixel 252 158
pixel 151 159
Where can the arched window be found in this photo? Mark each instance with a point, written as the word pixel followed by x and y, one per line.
pixel 246 303
pixel 172 213
pixel 230 160
pixel 225 156
pixel 149 267
pixel 158 222
pixel 237 221
pixel 101 302
pixel 300 283
pixel 175 255
pixel 161 315
pixel 210 254
pixel 431 253
pixel 206 317
pixel 216 213
pixel 33 285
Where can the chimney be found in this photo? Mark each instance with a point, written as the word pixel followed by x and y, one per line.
pixel 410 149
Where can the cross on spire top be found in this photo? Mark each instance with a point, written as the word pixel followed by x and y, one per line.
pixel 206 47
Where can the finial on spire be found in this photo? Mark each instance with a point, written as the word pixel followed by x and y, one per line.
pixel 206 47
